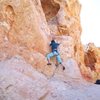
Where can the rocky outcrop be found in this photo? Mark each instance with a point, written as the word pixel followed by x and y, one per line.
pixel 20 81
pixel 23 22
pixel 27 26
pixel 92 60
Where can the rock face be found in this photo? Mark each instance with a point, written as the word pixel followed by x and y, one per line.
pixel 26 28
pixel 20 81
pixel 23 22
pixel 92 60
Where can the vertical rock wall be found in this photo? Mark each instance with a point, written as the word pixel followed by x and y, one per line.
pixel 27 26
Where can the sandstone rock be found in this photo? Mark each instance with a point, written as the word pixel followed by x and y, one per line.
pixel 72 69
pixel 92 59
pixel 26 27
pixel 20 81
pixel 26 24
pixel 23 23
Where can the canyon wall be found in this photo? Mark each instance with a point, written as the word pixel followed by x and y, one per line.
pixel 28 26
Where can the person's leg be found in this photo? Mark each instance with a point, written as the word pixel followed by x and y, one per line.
pixel 58 58
pixel 60 61
pixel 56 62
pixel 55 54
pixel 48 57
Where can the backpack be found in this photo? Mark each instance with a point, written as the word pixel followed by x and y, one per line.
pixel 97 82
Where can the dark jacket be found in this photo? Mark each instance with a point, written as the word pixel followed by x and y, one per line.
pixel 54 46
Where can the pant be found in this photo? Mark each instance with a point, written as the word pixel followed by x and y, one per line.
pixel 58 58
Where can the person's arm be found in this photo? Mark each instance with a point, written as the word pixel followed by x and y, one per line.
pixel 50 44
pixel 58 44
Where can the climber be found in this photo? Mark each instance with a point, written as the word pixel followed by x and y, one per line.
pixel 54 47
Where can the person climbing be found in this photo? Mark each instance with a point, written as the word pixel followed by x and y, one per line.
pixel 54 47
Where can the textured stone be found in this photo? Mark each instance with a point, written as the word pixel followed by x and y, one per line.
pixel 23 22
pixel 92 59
pixel 20 81
pixel 72 69
pixel 27 26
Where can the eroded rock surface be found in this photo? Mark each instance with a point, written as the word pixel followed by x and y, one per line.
pixel 26 28
pixel 92 60
pixel 20 81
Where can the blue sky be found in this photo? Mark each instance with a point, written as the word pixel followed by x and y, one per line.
pixel 90 21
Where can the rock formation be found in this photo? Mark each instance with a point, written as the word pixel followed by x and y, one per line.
pixel 20 81
pixel 26 28
pixel 92 60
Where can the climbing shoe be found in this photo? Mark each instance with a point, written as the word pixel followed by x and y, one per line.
pixel 56 65
pixel 63 68
pixel 48 63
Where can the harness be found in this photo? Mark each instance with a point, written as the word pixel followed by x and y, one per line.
pixel 55 50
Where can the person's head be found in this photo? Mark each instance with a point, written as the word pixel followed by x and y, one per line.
pixel 53 41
